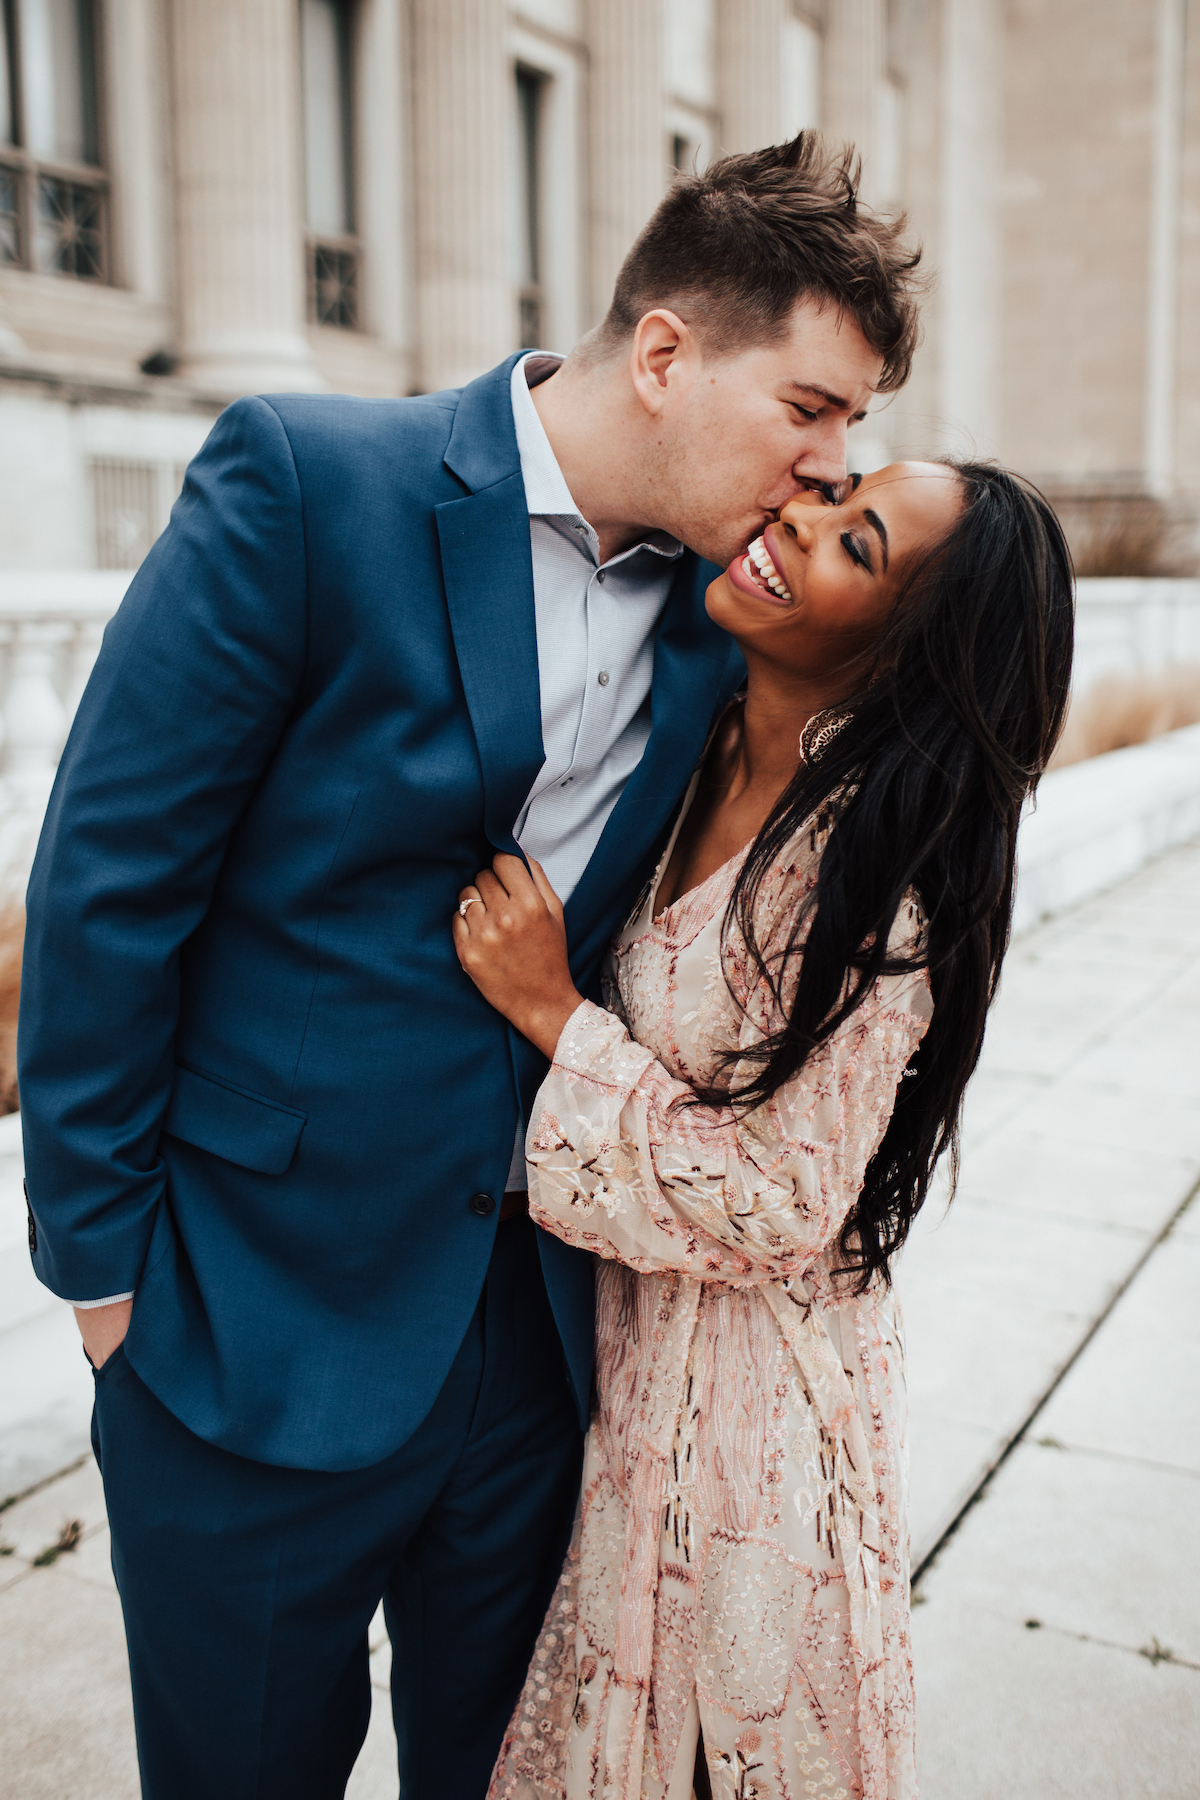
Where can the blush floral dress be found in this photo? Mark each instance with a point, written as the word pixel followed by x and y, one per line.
pixel 740 1559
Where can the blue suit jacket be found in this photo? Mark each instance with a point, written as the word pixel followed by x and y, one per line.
pixel 256 1086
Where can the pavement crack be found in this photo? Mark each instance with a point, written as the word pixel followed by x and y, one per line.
pixel 1154 1653
pixel 1118 1456
pixel 36 1487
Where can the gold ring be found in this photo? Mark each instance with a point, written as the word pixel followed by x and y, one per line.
pixel 463 905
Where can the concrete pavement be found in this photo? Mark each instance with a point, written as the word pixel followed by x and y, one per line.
pixel 1054 1349
pixel 1058 1646
pixel 1054 1345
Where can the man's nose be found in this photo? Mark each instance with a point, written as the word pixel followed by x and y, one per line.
pixel 823 457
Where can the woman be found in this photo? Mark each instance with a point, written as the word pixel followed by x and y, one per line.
pixel 747 1133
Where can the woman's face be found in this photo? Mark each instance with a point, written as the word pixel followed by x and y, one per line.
pixel 814 593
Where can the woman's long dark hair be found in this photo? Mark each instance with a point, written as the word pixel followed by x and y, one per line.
pixel 924 783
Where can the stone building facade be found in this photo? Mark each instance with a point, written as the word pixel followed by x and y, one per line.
pixel 204 198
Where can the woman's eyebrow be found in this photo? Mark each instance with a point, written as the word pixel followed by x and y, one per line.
pixel 877 525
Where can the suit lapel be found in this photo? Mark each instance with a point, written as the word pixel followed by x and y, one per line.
pixel 487 566
pixel 488 571
pixel 696 669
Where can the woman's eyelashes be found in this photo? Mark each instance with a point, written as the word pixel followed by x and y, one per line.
pixel 856 549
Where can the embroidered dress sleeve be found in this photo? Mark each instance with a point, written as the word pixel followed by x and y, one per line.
pixel 623 1166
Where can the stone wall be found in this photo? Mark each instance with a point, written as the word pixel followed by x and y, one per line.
pixel 1048 152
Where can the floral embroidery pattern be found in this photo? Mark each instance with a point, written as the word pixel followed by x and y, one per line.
pixel 741 1548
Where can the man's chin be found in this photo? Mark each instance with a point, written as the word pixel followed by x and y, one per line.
pixel 721 551
pixel 718 540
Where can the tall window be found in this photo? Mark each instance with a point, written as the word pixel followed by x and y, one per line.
pixel 326 48
pixel 530 85
pixel 53 192
pixel 800 68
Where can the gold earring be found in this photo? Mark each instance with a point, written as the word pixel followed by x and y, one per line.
pixel 819 733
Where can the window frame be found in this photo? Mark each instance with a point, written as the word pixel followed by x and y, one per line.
pixel 532 87
pixel 29 171
pixel 562 192
pixel 697 130
pixel 341 251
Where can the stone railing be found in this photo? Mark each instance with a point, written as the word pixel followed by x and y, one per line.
pixel 51 624
pixel 1099 821
pixel 1134 626
pixel 50 631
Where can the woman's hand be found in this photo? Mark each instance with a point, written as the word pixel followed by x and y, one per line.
pixel 510 940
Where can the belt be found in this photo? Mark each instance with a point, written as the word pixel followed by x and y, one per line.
pixel 514 1204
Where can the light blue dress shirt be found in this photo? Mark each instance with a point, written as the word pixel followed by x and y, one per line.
pixel 596 624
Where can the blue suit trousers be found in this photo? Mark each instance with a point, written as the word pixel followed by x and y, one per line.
pixel 248 1588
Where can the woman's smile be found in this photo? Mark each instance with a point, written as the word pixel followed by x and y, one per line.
pixel 755 573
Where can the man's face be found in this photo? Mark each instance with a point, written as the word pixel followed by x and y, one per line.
pixel 741 435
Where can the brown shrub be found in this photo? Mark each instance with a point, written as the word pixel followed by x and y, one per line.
pixel 1134 535
pixel 12 940
pixel 1128 709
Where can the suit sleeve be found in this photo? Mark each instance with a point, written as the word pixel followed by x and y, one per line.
pixel 190 695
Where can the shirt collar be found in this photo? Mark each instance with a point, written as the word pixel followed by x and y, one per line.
pixel 546 492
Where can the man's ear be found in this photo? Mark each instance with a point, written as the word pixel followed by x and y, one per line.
pixel 662 358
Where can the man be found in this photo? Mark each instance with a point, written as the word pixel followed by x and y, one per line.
pixel 273 1135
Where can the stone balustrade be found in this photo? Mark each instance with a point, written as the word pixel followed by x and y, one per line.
pixel 1134 625
pixel 51 624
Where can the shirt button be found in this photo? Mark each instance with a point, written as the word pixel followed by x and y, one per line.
pixel 482 1205
pixel 600 574
pixel 602 678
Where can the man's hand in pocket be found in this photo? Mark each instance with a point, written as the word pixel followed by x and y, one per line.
pixel 103 1329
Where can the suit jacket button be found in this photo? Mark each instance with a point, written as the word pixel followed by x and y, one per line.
pixel 482 1205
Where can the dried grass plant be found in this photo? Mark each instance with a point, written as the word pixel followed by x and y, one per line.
pixel 1128 709
pixel 1132 537
pixel 12 939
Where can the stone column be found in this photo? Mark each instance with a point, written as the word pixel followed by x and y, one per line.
pixel 462 120
pixel 969 234
pixel 1166 220
pixel 854 52
pixel 749 72
pixel 627 136
pixel 238 161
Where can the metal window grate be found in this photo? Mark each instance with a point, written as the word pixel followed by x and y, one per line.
pixel 529 93
pixel 132 502
pixel 10 216
pixel 53 190
pixel 333 271
pixel 530 300
pixel 69 233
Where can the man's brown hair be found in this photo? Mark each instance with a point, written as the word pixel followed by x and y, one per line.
pixel 732 251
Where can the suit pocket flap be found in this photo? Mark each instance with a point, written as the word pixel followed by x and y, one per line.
pixel 256 1134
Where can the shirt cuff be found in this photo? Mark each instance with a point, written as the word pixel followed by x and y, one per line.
pixel 90 1305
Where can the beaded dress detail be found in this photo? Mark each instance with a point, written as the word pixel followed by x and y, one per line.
pixel 740 1558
